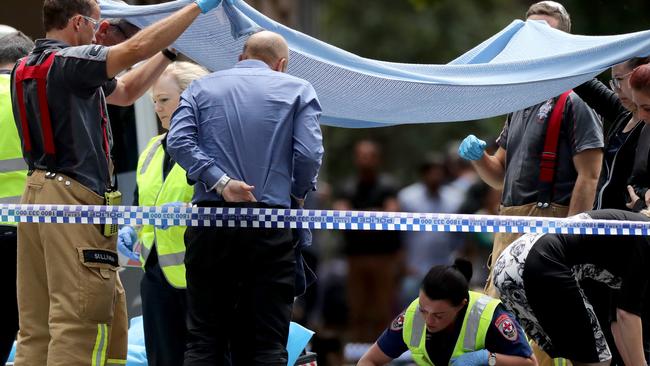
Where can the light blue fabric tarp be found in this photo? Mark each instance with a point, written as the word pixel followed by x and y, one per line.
pixel 524 64
pixel 299 337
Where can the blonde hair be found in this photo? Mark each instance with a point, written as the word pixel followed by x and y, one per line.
pixel 183 73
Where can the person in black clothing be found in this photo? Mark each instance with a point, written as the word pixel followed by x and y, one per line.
pixel 640 180
pixel 616 107
pixel 374 262
pixel 565 325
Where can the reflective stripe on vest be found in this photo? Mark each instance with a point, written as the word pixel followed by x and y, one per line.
pixel 476 323
pixel 473 320
pixel 154 191
pixel 152 151
pixel 10 165
pixel 10 200
pixel 13 169
pixel 165 260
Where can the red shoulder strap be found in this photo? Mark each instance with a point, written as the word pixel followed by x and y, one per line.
pixel 549 154
pixel 39 73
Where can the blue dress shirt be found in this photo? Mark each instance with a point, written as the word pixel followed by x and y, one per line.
pixel 252 124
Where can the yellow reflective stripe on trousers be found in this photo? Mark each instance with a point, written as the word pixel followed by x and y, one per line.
pixel 559 361
pixel 101 343
pixel 115 362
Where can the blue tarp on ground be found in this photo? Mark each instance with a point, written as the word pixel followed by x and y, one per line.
pixel 525 63
pixel 299 336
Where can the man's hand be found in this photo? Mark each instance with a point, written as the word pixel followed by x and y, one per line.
pixel 476 358
pixel 126 237
pixel 207 5
pixel 238 191
pixel 472 148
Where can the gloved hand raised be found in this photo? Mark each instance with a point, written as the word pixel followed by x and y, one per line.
pixel 126 237
pixel 476 358
pixel 471 148
pixel 171 205
pixel 207 5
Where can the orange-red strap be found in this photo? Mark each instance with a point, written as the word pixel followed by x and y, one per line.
pixel 549 154
pixel 39 73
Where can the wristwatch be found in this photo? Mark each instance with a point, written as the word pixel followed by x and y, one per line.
pixel 492 359
pixel 221 184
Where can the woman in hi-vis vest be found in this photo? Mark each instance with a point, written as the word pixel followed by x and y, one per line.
pixel 162 182
pixel 450 325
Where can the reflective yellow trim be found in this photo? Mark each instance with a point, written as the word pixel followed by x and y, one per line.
pixel 99 351
pixel 113 361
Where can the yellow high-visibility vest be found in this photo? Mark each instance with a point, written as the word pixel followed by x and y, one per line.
pixel 476 323
pixel 154 191
pixel 13 169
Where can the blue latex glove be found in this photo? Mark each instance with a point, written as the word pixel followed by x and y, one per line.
pixel 171 205
pixel 207 5
pixel 126 237
pixel 476 358
pixel 471 148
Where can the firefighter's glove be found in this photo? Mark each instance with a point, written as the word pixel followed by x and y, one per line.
pixel 472 148
pixel 207 5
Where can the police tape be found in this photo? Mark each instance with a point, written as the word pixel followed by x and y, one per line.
pixel 313 219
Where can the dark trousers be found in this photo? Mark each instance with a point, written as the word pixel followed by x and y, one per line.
pixel 8 306
pixel 240 285
pixel 164 312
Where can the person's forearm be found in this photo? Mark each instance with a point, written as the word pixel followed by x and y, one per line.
pixel 508 360
pixel 628 338
pixel 139 80
pixel 151 39
pixel 183 147
pixel 583 195
pixel 490 170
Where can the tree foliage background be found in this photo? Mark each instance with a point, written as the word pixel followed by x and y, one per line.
pixel 437 31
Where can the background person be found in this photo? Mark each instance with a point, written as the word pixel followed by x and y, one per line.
pixel 71 302
pixel 639 182
pixel 161 181
pixel 448 324
pixel 615 105
pixel 248 137
pixel 13 175
pixel 531 186
pixel 375 259
pixel 621 140
pixel 423 249
pixel 516 165
pixel 565 325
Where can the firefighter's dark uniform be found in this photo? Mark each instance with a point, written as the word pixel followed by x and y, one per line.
pixel 71 302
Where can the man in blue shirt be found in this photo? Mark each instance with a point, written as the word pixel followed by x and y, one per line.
pixel 248 137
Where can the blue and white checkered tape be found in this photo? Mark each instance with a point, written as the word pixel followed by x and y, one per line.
pixel 313 219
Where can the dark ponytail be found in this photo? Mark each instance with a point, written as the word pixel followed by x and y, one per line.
pixel 448 282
